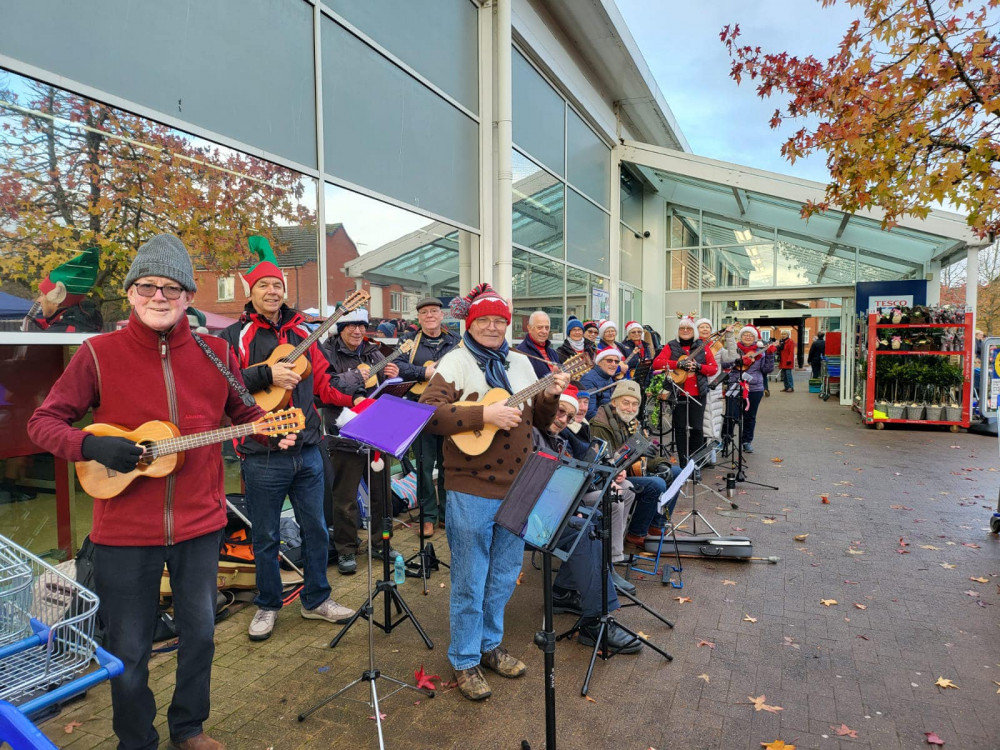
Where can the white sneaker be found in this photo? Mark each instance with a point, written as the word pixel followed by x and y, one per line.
pixel 329 611
pixel 262 624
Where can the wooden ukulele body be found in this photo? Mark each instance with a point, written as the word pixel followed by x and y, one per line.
pixel 274 397
pixel 477 442
pixel 103 483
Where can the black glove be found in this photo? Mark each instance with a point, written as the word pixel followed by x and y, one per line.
pixel 117 453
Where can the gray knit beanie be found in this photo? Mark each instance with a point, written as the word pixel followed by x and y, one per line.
pixel 164 255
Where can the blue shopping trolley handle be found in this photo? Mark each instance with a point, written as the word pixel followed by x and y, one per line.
pixel 111 666
pixel 17 730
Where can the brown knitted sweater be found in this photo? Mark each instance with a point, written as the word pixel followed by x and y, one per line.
pixel 458 378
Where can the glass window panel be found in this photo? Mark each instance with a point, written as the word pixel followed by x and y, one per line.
pixel 398 256
pixel 718 230
pixel 801 262
pixel 586 295
pixel 539 115
pixel 684 228
pixel 589 160
pixel 242 70
pixel 631 199
pixel 538 285
pixel 876 267
pixel 387 132
pixel 631 256
pixel 749 265
pixel 81 174
pixel 404 28
pixel 538 207
pixel 588 240
pixel 683 270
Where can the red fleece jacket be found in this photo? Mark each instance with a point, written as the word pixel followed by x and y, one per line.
pixel 132 376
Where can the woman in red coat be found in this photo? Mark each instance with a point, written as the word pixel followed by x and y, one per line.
pixel 786 362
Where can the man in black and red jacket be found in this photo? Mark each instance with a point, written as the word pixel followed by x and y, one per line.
pixel 270 476
pixel 536 344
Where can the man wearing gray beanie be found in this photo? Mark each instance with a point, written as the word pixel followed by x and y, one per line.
pixel 153 369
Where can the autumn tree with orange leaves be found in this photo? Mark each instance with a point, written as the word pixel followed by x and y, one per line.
pixel 76 173
pixel 906 110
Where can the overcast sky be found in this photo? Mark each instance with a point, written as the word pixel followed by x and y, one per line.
pixel 680 42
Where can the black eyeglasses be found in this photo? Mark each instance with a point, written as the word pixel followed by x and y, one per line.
pixel 170 291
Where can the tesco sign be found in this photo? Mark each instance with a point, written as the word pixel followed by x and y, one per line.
pixel 898 300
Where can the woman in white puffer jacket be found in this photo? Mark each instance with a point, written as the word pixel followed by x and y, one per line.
pixel 715 403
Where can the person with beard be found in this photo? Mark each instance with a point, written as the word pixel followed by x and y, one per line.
pixel 575 342
pixel 536 344
pixel 756 362
pixel 689 413
pixel 297 474
pixel 602 374
pixel 346 351
pixel 577 586
pixel 615 423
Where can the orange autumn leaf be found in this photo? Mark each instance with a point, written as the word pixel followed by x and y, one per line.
pixel 777 745
pixel 845 731
pixel 705 643
pixel 682 599
pixel 68 729
pixel 945 683
pixel 827 602
pixel 759 705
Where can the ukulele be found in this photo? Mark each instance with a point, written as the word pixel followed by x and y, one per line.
pixel 370 372
pixel 164 448
pixel 274 397
pixel 680 374
pixel 477 442
pixel 422 385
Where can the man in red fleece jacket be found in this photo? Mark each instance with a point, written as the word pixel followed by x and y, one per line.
pixel 153 369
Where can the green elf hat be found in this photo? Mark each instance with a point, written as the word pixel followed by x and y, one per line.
pixel 68 283
pixel 268 265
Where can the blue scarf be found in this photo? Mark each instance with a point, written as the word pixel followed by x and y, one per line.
pixel 493 362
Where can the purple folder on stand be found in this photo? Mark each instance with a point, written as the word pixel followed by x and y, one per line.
pixel 391 424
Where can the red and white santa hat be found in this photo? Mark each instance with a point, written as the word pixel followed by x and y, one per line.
pixel 608 351
pixel 569 396
pixel 754 331
pixel 632 326
pixel 605 325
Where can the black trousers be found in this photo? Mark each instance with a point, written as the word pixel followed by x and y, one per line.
pixel 583 571
pixel 348 470
pixel 816 365
pixel 688 411
pixel 429 452
pixel 127 580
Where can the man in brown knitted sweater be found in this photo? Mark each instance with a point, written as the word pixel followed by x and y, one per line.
pixel 485 558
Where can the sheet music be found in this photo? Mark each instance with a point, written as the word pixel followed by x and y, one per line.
pixel 675 487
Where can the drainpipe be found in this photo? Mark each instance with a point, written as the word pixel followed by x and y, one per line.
pixel 503 264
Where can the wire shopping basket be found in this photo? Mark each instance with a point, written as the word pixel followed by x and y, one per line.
pixel 46 625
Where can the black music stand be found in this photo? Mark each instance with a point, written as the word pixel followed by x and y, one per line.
pixel 542 503
pixel 389 425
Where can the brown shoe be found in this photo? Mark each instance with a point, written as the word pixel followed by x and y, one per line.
pixel 637 539
pixel 472 684
pixel 501 662
pixel 198 742
pixel 428 529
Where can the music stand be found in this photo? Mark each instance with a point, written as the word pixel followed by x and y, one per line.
pixel 541 503
pixel 389 425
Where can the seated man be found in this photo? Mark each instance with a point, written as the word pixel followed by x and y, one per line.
pixel 577 587
pixel 605 368
pixel 616 422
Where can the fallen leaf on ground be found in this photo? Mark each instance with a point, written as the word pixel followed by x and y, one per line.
pixel 827 602
pixel 845 731
pixel 933 739
pixel 641 634
pixel 380 715
pixel 737 528
pixel 900 507
pixel 727 582
pixel 860 606
pixel 789 641
pixel 970 544
pixel 853 582
pixel 800 537
pixel 704 677
pixel 776 745
pixel 748 618
pixel 863 636
pixel 996 683
pixel 970 592
pixel 852 551
pixel 759 705
pixel 682 599
pixel 980 579
pixel 768 520
pixel 424 680
pixel 947 566
pixel 591 700
pixel 929 546
pixel 903 542
pixel 520 577
pixel 68 729
pixel 706 643
pixel 945 683
pixel 777 460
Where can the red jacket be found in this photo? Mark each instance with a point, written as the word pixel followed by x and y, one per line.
pixel 787 360
pixel 707 366
pixel 132 376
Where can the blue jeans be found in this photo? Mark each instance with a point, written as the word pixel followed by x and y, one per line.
pixel 647 497
pixel 786 378
pixel 485 562
pixel 269 478
pixel 127 579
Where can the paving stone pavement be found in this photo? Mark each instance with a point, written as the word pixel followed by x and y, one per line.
pixel 905 529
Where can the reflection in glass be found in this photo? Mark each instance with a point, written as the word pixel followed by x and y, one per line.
pixel 538 207
pixel 683 228
pixel 396 255
pixel 539 115
pixel 581 300
pixel 588 240
pixel 631 256
pixel 873 266
pixel 631 195
pixel 588 159
pixel 801 262
pixel 538 285
pixel 76 173
pixel 684 267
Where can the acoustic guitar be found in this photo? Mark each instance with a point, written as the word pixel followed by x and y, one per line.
pixel 370 372
pixel 164 448
pixel 274 397
pixel 422 385
pixel 680 374
pixel 477 442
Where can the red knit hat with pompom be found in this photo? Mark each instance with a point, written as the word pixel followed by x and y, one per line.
pixel 483 300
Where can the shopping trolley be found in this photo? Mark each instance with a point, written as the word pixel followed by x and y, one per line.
pixel 47 643
pixel 831 378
